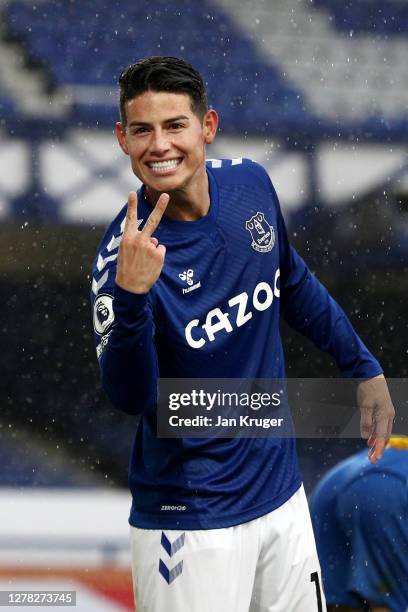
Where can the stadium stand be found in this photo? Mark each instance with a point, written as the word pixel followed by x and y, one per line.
pixel 293 84
pixel 354 76
pixel 376 16
pixel 281 66
pixel 86 48
pixel 6 107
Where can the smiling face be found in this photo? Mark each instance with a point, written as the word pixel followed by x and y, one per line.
pixel 166 141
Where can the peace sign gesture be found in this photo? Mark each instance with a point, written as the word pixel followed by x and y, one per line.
pixel 140 258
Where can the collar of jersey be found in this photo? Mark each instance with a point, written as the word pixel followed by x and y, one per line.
pixel 174 225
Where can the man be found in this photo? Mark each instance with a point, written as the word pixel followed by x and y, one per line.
pixel 360 517
pixel 215 523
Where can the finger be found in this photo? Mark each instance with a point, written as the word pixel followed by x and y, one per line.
pixel 154 241
pixel 162 250
pixel 366 423
pixel 371 456
pixel 131 213
pixel 380 436
pixel 155 216
pixel 381 429
pixel 390 424
pixel 377 450
pixel 380 447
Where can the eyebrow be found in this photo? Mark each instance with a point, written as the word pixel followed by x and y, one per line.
pixel 171 120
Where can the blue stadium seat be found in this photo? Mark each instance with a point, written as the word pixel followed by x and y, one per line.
pixel 84 45
pixel 7 108
pixel 88 44
pixel 379 16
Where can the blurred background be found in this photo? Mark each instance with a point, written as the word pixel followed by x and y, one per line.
pixel 316 91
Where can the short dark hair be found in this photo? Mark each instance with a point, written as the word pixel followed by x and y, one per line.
pixel 162 73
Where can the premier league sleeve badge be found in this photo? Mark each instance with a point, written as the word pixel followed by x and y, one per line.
pixel 103 314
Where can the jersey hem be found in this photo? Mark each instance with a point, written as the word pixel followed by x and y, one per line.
pixel 177 522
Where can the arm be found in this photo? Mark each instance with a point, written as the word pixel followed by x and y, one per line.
pixel 128 361
pixel 308 307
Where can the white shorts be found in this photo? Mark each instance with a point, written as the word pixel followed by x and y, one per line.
pixel 269 564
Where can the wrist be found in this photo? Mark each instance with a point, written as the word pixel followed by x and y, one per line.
pixel 136 288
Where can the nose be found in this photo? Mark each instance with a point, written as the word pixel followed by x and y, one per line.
pixel 160 143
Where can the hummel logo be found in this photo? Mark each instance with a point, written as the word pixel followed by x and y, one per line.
pixel 187 276
pixel 170 575
pixel 171 548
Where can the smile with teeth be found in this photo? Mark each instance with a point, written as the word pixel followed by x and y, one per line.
pixel 163 166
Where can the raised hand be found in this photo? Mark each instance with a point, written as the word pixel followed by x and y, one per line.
pixel 377 415
pixel 141 257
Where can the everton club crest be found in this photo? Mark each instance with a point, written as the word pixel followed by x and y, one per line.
pixel 263 234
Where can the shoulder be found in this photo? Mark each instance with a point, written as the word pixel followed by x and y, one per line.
pixel 239 171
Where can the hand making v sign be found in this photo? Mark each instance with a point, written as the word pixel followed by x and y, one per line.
pixel 141 258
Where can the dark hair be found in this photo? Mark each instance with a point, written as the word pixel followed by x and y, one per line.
pixel 159 73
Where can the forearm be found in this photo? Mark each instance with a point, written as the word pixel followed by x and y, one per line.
pixel 308 307
pixel 129 362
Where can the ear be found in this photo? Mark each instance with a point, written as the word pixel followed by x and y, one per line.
pixel 210 125
pixel 121 136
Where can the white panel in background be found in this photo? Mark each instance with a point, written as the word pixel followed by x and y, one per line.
pixel 65 170
pixel 62 527
pixel 79 159
pixel 99 204
pixel 74 171
pixel 100 144
pixel 347 172
pixel 62 168
pixel 289 177
pixel 15 166
pixel 344 172
pixel 125 174
pixel 229 147
pixel 96 513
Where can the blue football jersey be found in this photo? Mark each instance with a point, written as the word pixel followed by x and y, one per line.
pixel 360 518
pixel 213 313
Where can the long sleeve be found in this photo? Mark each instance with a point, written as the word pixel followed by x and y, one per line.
pixel 308 307
pixel 128 361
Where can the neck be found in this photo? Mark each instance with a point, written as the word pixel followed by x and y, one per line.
pixel 185 204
